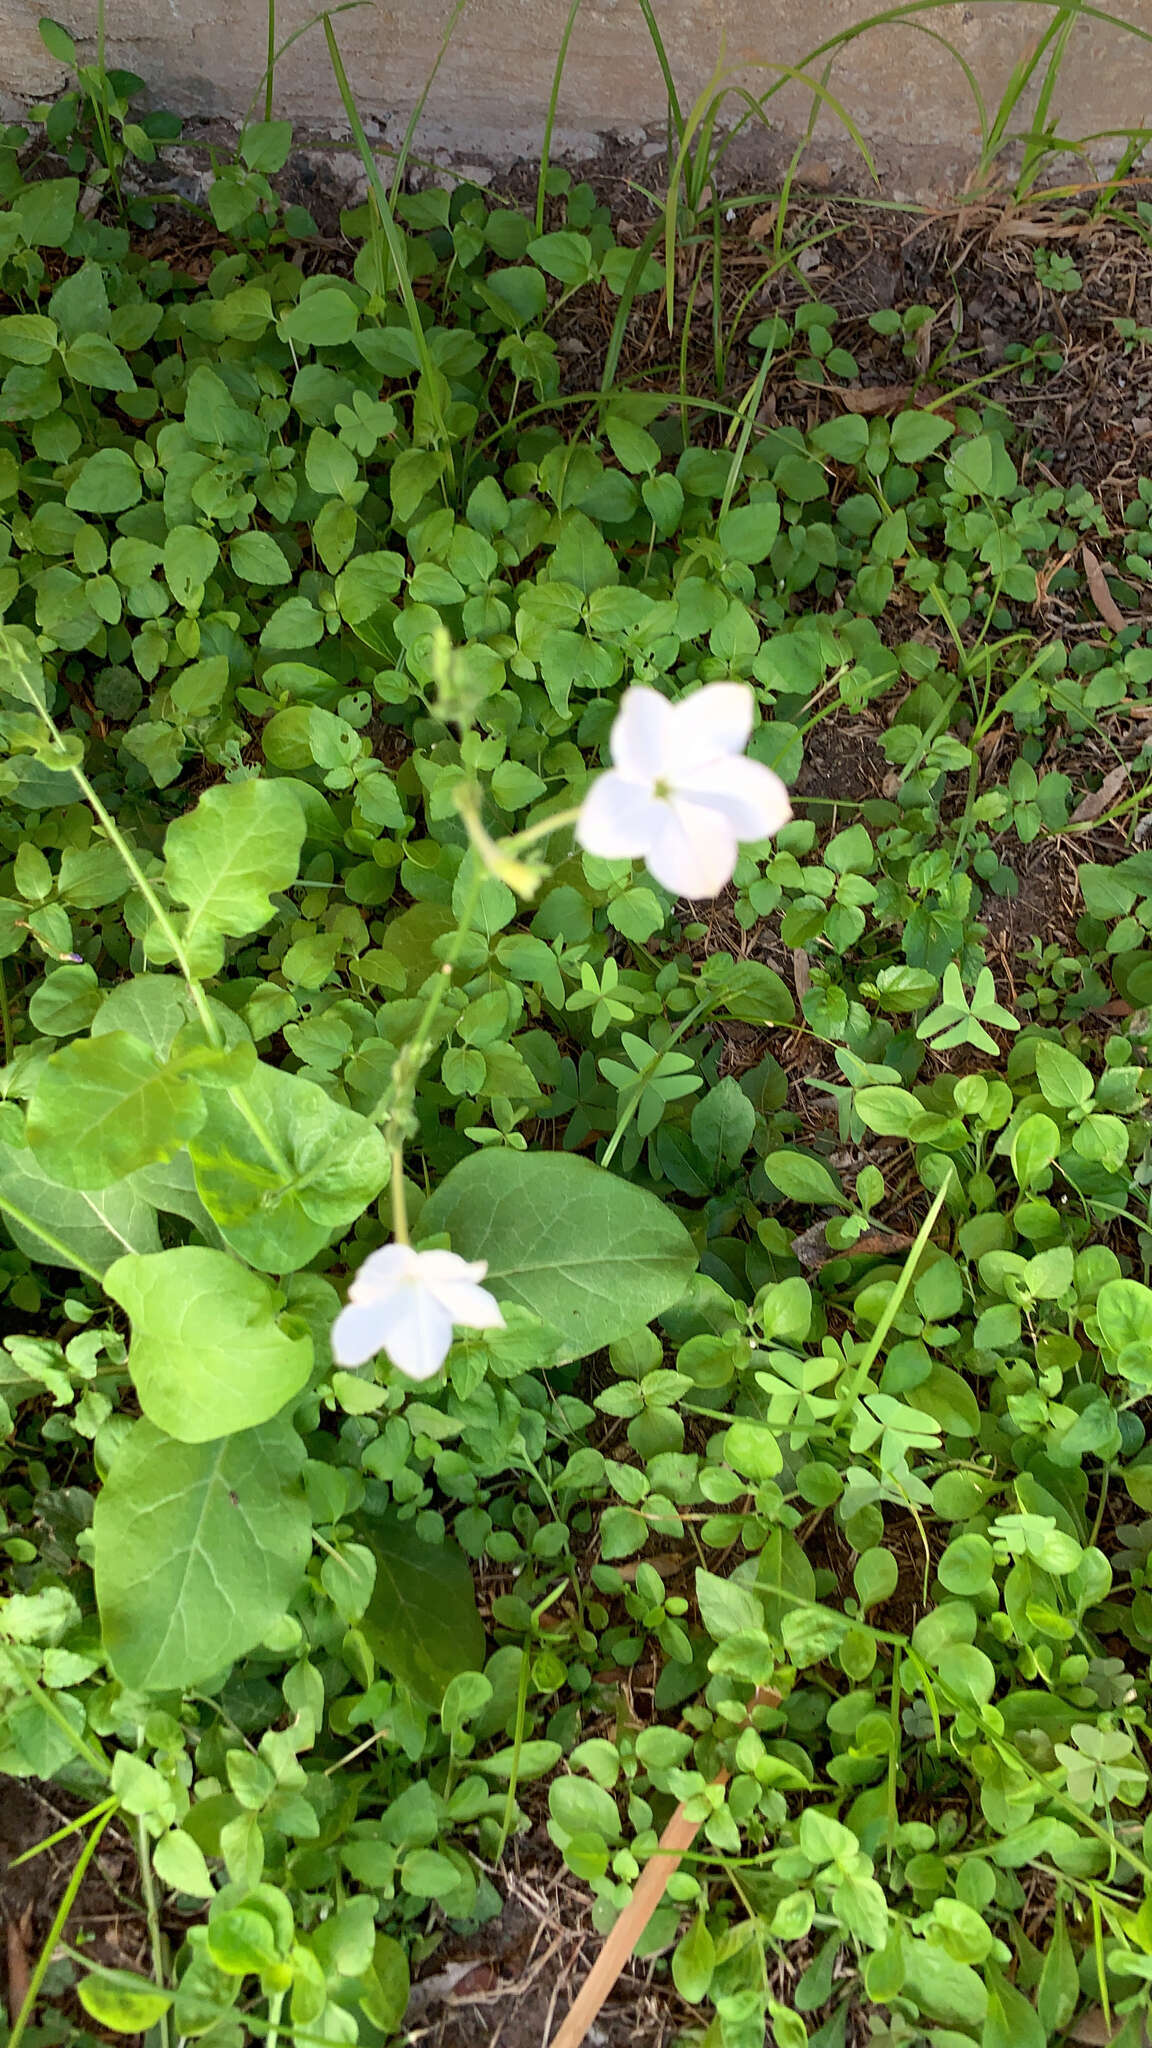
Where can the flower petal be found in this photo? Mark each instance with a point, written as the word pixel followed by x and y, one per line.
pixel 440 1268
pixel 471 1308
pixel 752 798
pixel 642 734
pixel 453 1282
pixel 694 852
pixel 707 726
pixel 382 1271
pixel 357 1333
pixel 618 819
pixel 417 1332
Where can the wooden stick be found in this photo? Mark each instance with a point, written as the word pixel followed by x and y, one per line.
pixel 618 1948
pixel 651 1885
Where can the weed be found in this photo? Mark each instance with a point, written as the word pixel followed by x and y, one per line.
pixel 800 1359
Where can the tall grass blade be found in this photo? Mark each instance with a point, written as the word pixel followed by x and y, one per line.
pixel 263 83
pixel 550 117
pixel 392 236
pixel 416 115
pixel 270 67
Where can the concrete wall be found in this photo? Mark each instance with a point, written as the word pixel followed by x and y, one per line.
pixel 907 93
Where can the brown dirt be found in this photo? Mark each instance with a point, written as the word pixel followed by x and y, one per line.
pixel 843 762
pixel 107 1920
pixel 511 1984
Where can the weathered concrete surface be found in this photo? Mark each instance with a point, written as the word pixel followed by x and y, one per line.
pixel 901 85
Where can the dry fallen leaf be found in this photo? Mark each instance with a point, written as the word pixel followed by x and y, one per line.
pixel 1102 597
pixel 872 398
pixel 1099 800
pixel 1010 228
pixel 19 1934
pixel 1095 2028
pixel 813 1250
pixel 454 1981
pixel 666 1562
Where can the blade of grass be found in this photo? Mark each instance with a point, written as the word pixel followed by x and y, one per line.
pixel 675 115
pixel 414 117
pixel 746 414
pixel 1034 157
pixel 393 238
pixel 895 1300
pixel 627 301
pixel 550 117
pixel 313 21
pixel 994 136
pixel 672 200
pixel 706 107
pixel 270 68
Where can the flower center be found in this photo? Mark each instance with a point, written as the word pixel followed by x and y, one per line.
pixel 662 790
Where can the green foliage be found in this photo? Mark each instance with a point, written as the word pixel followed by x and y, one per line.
pixel 197 1548
pixel 820 1394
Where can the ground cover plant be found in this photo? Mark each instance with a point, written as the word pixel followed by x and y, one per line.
pixel 515 1321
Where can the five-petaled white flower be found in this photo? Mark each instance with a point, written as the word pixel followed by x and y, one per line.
pixel 405 1302
pixel 679 792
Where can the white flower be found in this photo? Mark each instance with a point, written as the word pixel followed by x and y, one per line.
pixel 679 792
pixel 405 1302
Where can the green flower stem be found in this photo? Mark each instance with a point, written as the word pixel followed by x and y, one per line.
pixel 399 1199
pixel 152 1915
pixel 501 857
pixel 394 1107
pixel 164 922
pixel 557 821
pixel 393 1110
pixel 509 1814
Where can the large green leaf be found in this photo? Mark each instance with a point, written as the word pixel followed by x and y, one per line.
pixel 153 1007
pixel 199 1549
pixel 60 1226
pixel 105 1106
pixel 422 1620
pixel 593 1256
pixel 209 1354
pixel 332 1164
pixel 172 1186
pixel 224 858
